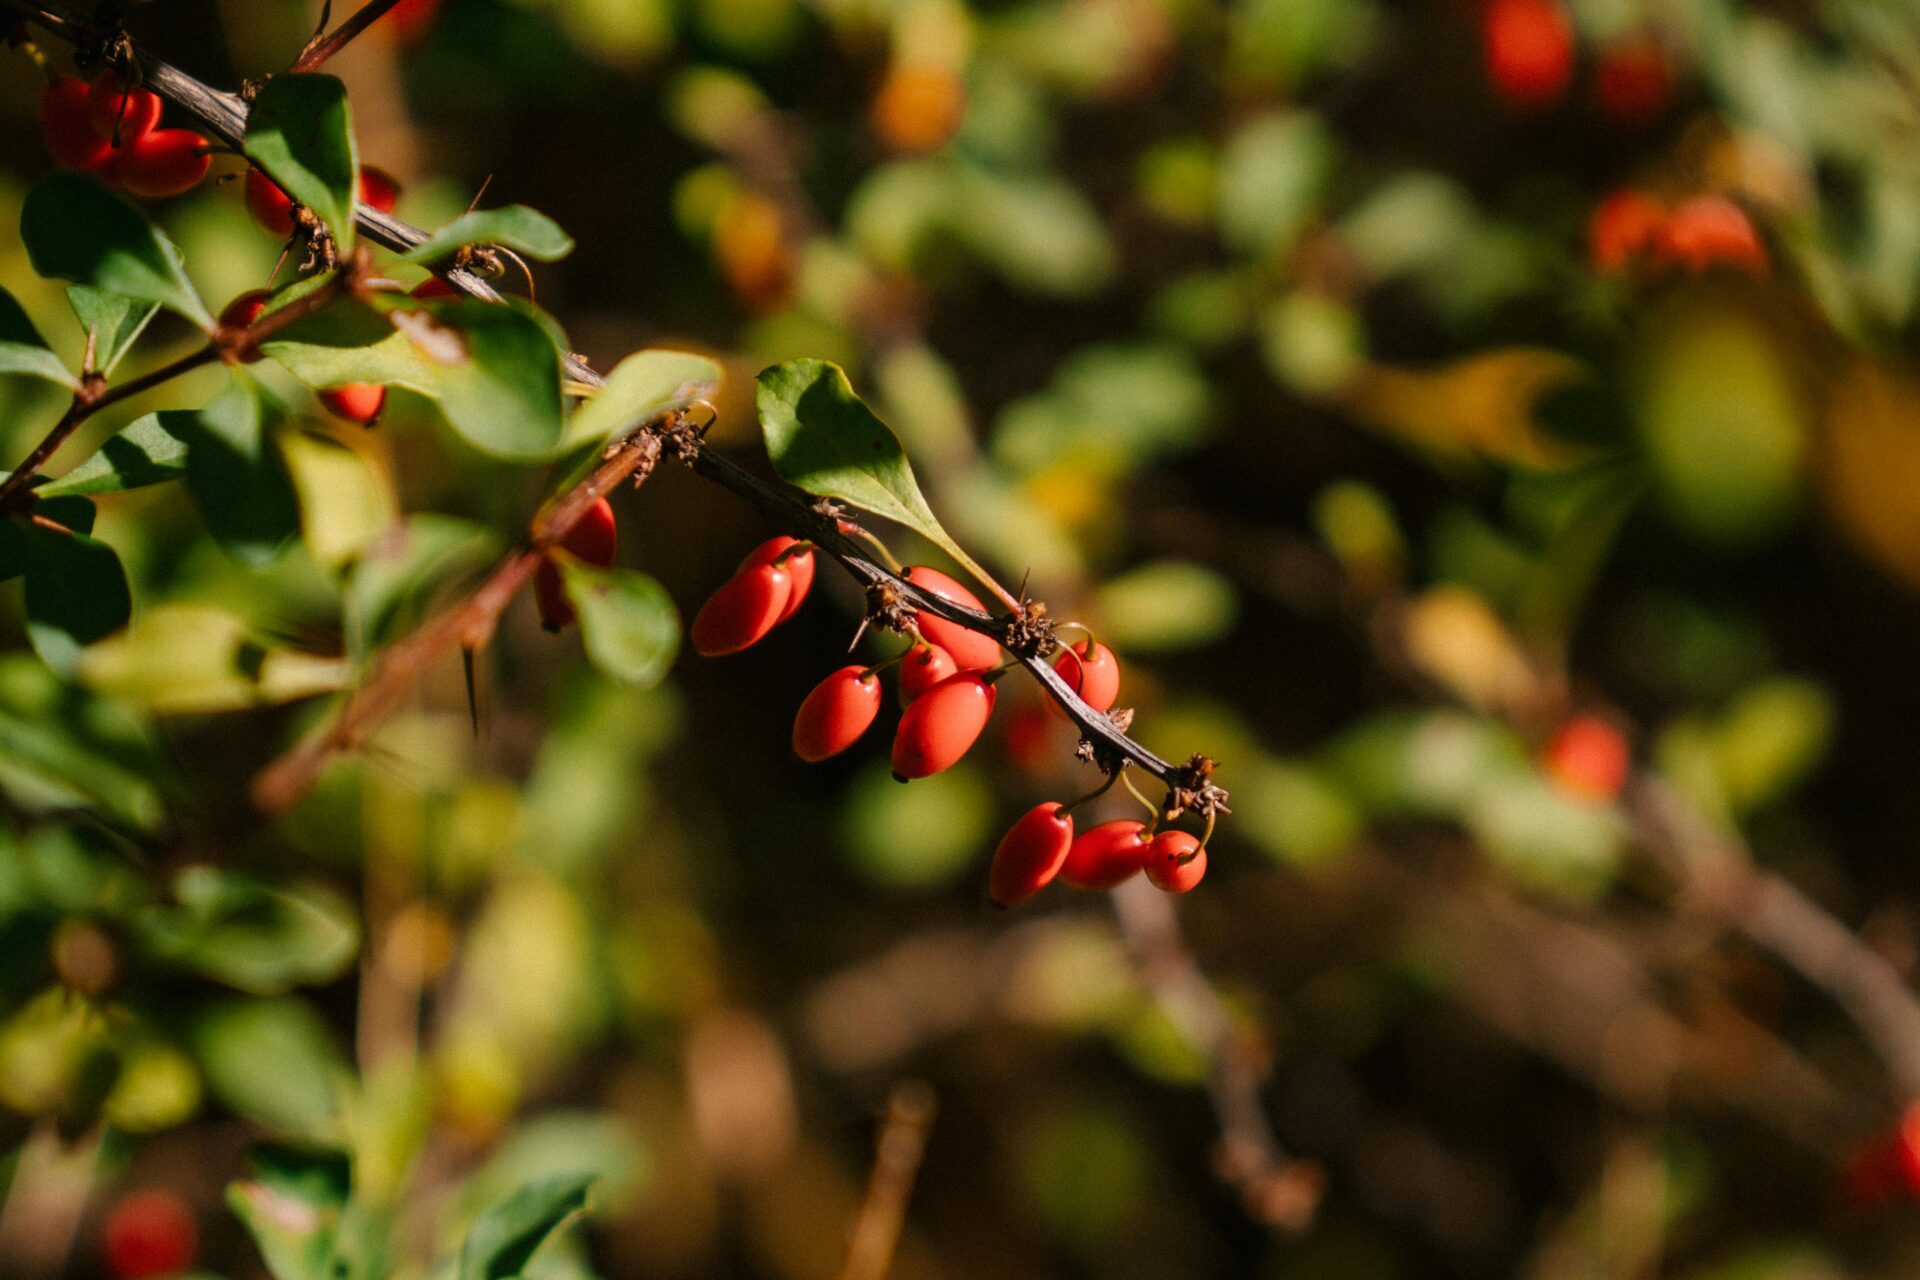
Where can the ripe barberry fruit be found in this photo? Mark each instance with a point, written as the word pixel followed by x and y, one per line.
pixel 1906 1146
pixel 118 112
pixel 1633 81
pixel 1176 861
pixel 1092 671
pixel 742 611
pixel 243 311
pixel 1106 855
pixel 1623 227
pixel 434 289
pixel 1589 759
pixel 836 713
pixel 359 402
pixel 66 124
pixel 919 107
pixel 412 19
pixel 1030 854
pixel 925 666
pixel 378 189
pixel 970 650
pixel 162 163
pixel 594 539
pixel 149 1233
pixel 1529 51
pixel 1709 231
pixel 271 207
pixel 941 724
pixel 798 564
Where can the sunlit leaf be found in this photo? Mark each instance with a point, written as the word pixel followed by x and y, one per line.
pixel 300 132
pixel 76 594
pixel 628 623
pixel 1166 604
pixel 346 505
pixel 23 350
pixel 639 387
pixel 527 232
pixel 114 320
pixel 256 938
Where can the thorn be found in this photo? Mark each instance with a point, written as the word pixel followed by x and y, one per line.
pixel 473 697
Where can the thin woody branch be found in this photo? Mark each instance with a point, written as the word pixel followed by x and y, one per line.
pixel 322 47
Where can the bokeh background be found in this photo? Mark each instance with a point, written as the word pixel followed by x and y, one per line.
pixel 1270 340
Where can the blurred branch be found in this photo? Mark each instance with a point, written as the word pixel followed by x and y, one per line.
pixel 45 1198
pixel 322 47
pixel 902 1145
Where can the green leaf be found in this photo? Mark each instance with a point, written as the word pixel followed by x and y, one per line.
pixel 292 1206
pixel 76 594
pixel 1166 604
pixel 504 1237
pixel 628 624
pixel 426 553
pixel 23 350
pixel 301 133
pixel 502 391
pixel 181 658
pixel 75 229
pixel 527 232
pixel 346 505
pixel 74 513
pixel 113 319
pixel 258 939
pixel 144 453
pixel 640 386
pixel 299 1095
pixel 236 475
pixel 824 438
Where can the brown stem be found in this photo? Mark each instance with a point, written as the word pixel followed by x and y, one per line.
pixel 322 47
pixel 896 1163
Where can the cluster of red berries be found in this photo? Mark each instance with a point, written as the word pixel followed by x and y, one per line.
pixel 110 130
pixel 947 681
pixel 1530 53
pixel 1633 228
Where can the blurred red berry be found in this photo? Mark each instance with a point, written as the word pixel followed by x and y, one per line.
pixel 1633 81
pixel 359 402
pixel 1710 231
pixel 243 311
pixel 271 207
pixel 970 650
pixel 1175 861
pixel 149 1233
pixel 66 125
pixel 1623 227
pixel 941 724
pixel 1106 855
pixel 1529 51
pixel 378 189
pixel 839 710
pixel 118 112
pixel 594 539
pixel 412 19
pixel 434 289
pixel 1030 854
pixel 1589 758
pixel 742 611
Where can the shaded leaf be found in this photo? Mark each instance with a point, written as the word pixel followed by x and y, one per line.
pixel 144 453
pixel 426 552
pixel 504 1237
pixel 258 939
pixel 75 229
pixel 115 321
pixel 1166 604
pixel 527 232
pixel 23 350
pixel 628 623
pixel 76 594
pixel 301 133
pixel 70 512
pixel 236 475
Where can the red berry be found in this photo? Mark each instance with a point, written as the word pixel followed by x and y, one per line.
pixel 1589 758
pixel 120 113
pixel 271 207
pixel 165 162
pixel 925 666
pixel 970 650
pixel 742 611
pixel 243 311
pixel 1092 671
pixel 1106 855
pixel 66 124
pixel 1529 50
pixel 1707 231
pixel 433 289
pixel 149 1233
pixel 836 713
pixel 798 564
pixel 359 402
pixel 1875 1173
pixel 1030 854
pixel 412 19
pixel 941 724
pixel 1634 80
pixel 1623 226
pixel 1175 861
pixel 595 537
pixel 378 189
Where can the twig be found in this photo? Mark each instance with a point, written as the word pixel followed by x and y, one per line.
pixel 896 1163
pixel 322 47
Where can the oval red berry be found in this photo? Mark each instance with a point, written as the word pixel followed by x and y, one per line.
pixel 1529 48
pixel 742 611
pixel 1030 854
pixel 163 163
pixel 594 539
pixel 149 1233
pixel 925 666
pixel 971 651
pixel 798 564
pixel 1175 862
pixel 271 207
pixel 840 709
pixel 941 724
pixel 359 402
pixel 1106 855
pixel 119 113
pixel 67 126
pixel 378 189
pixel 1092 671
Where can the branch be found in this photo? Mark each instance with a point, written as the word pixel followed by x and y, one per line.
pixel 320 48
pixel 896 1163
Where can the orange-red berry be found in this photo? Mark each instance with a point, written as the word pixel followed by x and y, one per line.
pixel 149 1233
pixel 940 725
pixel 243 311
pixel 359 402
pixel 1175 861
pixel 1633 81
pixel 1529 51
pixel 594 539
pixel 798 564
pixel 925 666
pixel 1622 228
pixel 119 112
pixel 412 19
pixel 434 289
pixel 378 189
pixel 742 611
pixel 1106 855
pixel 1589 758
pixel 1709 231
pixel 271 207
pixel 1091 671
pixel 66 124
pixel 836 713
pixel 970 650
pixel 1030 854
pixel 162 163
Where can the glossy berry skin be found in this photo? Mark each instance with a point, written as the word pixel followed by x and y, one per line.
pixel 162 163
pixel 243 311
pixel 1633 81
pixel 359 402
pixel 120 113
pixel 1092 671
pixel 1623 227
pixel 1710 231
pixel 1030 854
pixel 595 540
pixel 378 189
pixel 149 1233
pixel 742 611
pixel 940 725
pixel 839 710
pixel 925 666
pixel 970 650
pixel 66 125
pixel 1529 51
pixel 1589 759
pixel 1175 862
pixel 1106 855
pixel 798 564
pixel 271 207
